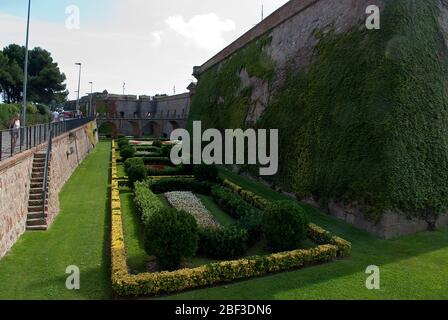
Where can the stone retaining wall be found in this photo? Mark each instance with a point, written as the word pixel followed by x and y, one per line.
pixel 15 177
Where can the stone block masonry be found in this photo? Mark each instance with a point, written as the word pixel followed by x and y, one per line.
pixel 15 175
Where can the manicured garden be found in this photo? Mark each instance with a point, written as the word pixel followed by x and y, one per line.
pixel 235 235
pixel 412 267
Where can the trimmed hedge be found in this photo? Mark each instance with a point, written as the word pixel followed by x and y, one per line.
pixel 170 171
pixel 284 225
pixel 127 152
pixel 322 236
pixel 205 172
pixel 227 243
pixel 131 162
pixel 231 203
pixel 255 200
pixel 169 185
pixel 171 235
pixel 157 160
pixel 146 202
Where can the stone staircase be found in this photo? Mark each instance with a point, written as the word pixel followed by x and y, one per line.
pixel 37 217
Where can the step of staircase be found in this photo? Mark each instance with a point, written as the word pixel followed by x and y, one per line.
pixel 37 202
pixel 36 215
pixel 34 209
pixel 35 175
pixel 39 155
pixel 37 185
pixel 37 228
pixel 36 222
pixel 37 196
pixel 38 191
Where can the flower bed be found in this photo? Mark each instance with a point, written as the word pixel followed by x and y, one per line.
pixel 188 202
pixel 125 284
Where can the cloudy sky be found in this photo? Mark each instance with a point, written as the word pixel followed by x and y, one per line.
pixel 151 45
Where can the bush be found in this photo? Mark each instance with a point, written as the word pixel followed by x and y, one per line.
pixel 157 143
pixel 169 185
pixel 171 236
pixel 284 225
pixel 223 243
pixel 132 162
pixel 123 142
pixel 231 202
pixel 252 222
pixel 170 171
pixel 137 173
pixel 157 160
pixel 205 172
pixel 255 200
pixel 127 152
pixel 166 150
pixel 146 202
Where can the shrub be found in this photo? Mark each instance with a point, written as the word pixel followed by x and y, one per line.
pixel 146 202
pixel 252 222
pixel 223 243
pixel 255 200
pixel 137 173
pixel 123 142
pixel 231 202
pixel 205 172
pixel 127 152
pixel 284 225
pixel 132 162
pixel 166 150
pixel 157 143
pixel 157 160
pixel 168 185
pixel 170 171
pixel 171 236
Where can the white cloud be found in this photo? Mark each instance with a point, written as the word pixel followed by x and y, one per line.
pixel 204 31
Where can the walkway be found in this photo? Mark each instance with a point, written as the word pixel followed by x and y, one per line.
pixel 35 267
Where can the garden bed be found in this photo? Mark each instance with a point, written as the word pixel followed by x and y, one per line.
pixel 325 247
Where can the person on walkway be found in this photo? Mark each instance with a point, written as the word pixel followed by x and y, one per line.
pixel 55 115
pixel 15 128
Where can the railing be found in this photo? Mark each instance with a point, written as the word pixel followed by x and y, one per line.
pixel 47 163
pixel 15 141
pixel 130 118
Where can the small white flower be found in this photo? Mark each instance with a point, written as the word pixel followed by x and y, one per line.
pixel 191 204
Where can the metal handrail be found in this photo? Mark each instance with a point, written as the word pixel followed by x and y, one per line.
pixel 46 169
pixel 13 142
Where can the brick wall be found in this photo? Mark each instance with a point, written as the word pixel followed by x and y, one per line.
pixel 15 176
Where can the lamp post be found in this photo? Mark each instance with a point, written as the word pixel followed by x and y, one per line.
pixel 25 69
pixel 91 97
pixel 79 86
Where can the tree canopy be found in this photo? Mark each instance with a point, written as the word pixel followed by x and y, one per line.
pixel 45 80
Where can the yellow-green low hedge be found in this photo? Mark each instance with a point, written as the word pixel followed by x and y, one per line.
pixel 142 284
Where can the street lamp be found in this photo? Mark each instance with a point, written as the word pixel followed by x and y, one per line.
pixel 79 86
pixel 25 71
pixel 91 97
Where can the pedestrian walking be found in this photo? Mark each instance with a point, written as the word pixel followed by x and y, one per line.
pixel 15 128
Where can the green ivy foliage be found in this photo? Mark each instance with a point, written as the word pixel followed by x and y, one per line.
pixel 367 122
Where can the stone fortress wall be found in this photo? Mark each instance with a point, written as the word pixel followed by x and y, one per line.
pixel 293 40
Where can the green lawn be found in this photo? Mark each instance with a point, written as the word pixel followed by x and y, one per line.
pixel 35 267
pixel 412 267
pixel 220 216
pixel 133 233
